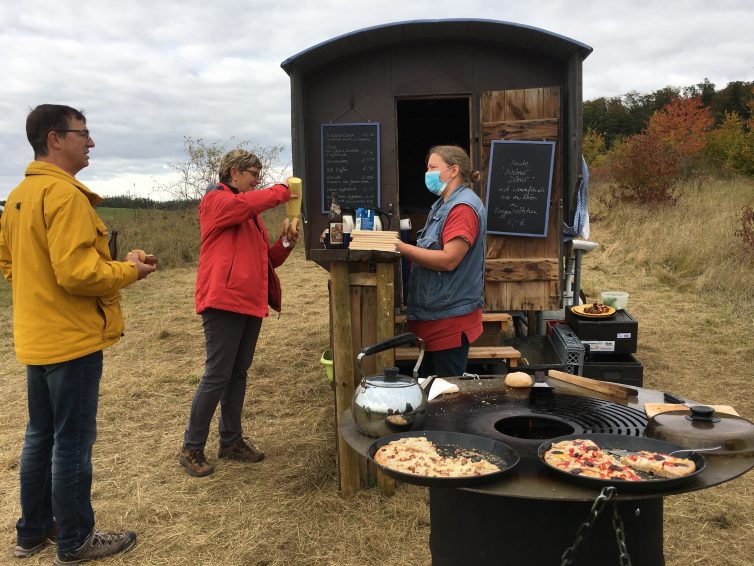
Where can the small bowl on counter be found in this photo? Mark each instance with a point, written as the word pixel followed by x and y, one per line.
pixel 616 299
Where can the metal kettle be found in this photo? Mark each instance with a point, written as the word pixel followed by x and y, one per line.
pixel 390 403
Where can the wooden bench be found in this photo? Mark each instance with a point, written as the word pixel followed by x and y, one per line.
pixel 486 348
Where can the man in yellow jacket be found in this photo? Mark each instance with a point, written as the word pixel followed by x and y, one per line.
pixel 66 310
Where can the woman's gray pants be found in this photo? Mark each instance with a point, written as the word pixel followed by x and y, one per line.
pixel 230 339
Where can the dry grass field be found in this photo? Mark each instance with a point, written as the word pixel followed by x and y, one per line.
pixel 286 510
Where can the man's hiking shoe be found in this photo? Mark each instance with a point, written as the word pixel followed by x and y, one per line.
pixel 98 545
pixel 28 549
pixel 242 451
pixel 195 462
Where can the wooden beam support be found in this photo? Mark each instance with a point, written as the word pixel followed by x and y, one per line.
pixel 385 310
pixel 343 366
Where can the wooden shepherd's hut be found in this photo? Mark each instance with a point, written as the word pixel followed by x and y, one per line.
pixel 366 108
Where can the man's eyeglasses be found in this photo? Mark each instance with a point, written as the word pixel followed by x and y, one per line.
pixel 83 132
pixel 254 174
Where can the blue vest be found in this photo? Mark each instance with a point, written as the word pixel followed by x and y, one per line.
pixel 433 295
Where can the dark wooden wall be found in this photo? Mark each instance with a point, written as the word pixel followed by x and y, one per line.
pixel 365 87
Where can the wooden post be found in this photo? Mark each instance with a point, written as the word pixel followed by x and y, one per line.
pixel 385 329
pixel 385 312
pixel 348 459
pixel 362 312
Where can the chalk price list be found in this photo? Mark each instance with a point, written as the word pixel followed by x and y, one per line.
pixel 350 166
pixel 517 198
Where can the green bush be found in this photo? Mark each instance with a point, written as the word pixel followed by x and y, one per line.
pixel 730 147
pixel 594 148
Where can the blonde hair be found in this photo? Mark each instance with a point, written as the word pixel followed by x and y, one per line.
pixel 237 159
pixel 456 155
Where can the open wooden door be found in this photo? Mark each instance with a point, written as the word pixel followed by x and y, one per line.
pixel 523 272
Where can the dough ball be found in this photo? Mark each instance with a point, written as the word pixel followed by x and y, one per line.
pixel 518 379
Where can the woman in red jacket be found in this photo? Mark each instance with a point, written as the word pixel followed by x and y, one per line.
pixel 235 283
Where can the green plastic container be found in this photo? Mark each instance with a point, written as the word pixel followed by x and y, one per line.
pixel 326 360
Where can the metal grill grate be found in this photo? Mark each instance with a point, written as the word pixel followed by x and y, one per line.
pixel 482 414
pixel 598 416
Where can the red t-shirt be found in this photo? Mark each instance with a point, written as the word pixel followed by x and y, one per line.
pixel 445 333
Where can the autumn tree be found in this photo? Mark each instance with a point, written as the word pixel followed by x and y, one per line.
pixel 648 165
pixel 682 126
pixel 644 170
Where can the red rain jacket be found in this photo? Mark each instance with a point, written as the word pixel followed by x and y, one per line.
pixel 236 262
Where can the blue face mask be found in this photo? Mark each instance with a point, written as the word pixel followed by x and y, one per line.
pixel 433 182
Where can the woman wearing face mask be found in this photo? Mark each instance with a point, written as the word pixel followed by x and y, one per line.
pixel 446 284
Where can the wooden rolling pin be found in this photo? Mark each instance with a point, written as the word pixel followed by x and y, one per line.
pixel 294 205
pixel 612 389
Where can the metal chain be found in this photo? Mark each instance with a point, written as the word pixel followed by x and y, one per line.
pixel 605 495
pixel 620 536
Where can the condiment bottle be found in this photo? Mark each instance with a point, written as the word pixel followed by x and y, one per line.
pixel 335 225
pixel 348 226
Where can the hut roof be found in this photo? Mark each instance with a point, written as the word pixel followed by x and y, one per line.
pixel 491 31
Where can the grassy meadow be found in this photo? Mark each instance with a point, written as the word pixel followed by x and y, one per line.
pixel 690 283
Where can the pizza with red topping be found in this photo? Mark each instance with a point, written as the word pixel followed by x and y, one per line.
pixel 662 465
pixel 584 457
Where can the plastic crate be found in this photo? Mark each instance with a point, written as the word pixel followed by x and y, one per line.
pixel 569 347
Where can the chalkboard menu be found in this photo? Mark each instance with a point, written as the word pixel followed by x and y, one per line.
pixel 519 183
pixel 351 165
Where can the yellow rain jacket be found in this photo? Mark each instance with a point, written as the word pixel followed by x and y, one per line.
pixel 53 250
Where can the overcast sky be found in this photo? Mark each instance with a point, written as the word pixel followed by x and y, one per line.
pixel 147 73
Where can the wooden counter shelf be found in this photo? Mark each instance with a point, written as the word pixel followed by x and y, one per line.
pixel 362 312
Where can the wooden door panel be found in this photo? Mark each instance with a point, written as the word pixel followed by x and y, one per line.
pixel 521 272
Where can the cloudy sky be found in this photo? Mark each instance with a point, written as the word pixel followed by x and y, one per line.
pixel 148 73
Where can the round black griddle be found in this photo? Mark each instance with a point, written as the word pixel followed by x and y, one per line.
pixel 648 483
pixel 452 444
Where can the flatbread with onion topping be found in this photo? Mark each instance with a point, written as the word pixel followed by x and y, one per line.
pixel 417 455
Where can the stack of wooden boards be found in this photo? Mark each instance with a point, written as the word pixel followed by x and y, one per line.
pixel 373 240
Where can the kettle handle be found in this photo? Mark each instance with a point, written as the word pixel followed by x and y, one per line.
pixel 393 342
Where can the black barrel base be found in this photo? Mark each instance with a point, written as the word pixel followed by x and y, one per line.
pixel 470 528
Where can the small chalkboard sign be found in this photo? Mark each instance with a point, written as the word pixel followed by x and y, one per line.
pixel 351 165
pixel 519 183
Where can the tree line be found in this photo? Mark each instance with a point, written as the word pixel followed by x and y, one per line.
pixel 129 201
pixel 618 117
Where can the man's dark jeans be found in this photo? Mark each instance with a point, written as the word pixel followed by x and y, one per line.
pixel 56 463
